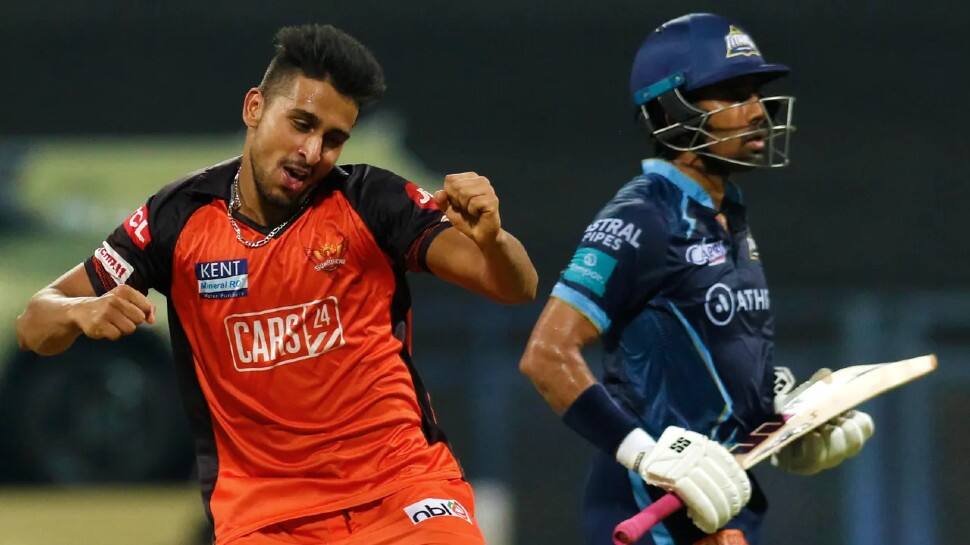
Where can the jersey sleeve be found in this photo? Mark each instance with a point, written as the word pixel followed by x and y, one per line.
pixel 619 263
pixel 402 216
pixel 132 254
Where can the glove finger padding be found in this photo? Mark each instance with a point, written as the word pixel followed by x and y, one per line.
pixel 858 428
pixel 714 482
pixel 828 446
pixel 802 456
pixel 702 473
pixel 706 513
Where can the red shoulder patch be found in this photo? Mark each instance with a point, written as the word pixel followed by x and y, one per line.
pixel 421 197
pixel 137 227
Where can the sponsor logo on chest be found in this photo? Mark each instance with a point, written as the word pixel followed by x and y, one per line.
pixel 706 253
pixel 722 303
pixel 222 279
pixel 262 340
pixel 429 508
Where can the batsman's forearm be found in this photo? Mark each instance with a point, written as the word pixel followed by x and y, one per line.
pixel 509 275
pixel 559 373
pixel 46 326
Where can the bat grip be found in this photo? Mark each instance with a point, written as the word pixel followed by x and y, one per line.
pixel 633 528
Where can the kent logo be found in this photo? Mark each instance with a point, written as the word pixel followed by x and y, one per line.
pixel 436 507
pixel 223 279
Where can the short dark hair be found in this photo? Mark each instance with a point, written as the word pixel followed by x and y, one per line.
pixel 325 53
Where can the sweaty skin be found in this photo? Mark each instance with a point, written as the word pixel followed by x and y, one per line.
pixel 553 357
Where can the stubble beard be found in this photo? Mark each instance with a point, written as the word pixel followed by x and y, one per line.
pixel 277 204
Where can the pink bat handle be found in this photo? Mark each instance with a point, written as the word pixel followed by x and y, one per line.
pixel 633 528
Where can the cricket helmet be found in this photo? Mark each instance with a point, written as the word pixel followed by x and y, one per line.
pixel 694 51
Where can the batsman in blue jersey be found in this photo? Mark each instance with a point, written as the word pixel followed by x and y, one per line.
pixel 669 278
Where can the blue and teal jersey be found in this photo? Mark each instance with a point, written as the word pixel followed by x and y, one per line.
pixel 677 290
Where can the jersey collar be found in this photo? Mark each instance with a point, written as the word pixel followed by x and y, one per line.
pixel 214 181
pixel 687 184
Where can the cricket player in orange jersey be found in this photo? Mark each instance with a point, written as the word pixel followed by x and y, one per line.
pixel 289 313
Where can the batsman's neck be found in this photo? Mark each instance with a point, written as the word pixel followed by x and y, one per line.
pixel 698 170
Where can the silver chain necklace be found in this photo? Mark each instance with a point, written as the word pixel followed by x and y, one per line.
pixel 234 204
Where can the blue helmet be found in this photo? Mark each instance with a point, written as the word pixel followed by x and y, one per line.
pixel 695 51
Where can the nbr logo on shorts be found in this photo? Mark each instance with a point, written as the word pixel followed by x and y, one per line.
pixel 436 507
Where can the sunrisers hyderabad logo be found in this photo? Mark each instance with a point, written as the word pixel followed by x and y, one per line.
pixel 329 255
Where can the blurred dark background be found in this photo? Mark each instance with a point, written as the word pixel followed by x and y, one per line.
pixel 859 235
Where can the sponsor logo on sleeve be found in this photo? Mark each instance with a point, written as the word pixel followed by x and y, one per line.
pixel 420 196
pixel 222 279
pixel 113 263
pixel 612 233
pixel 263 340
pixel 591 269
pixel 429 508
pixel 137 227
pixel 706 253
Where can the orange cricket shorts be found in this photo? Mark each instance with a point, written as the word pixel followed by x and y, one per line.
pixel 431 513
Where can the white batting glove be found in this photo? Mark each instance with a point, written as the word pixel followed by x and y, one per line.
pixel 700 471
pixel 827 446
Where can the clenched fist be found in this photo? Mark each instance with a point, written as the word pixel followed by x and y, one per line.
pixel 113 315
pixel 470 203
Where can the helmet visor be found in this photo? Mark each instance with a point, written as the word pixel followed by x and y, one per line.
pixel 775 128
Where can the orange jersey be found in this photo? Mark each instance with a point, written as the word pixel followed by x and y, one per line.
pixel 428 512
pixel 294 357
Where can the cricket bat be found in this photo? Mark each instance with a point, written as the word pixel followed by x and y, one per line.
pixel 824 399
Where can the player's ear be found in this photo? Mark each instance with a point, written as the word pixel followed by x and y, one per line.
pixel 253 106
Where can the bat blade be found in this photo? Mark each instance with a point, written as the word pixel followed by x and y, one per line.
pixel 825 399
pixel 829 396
